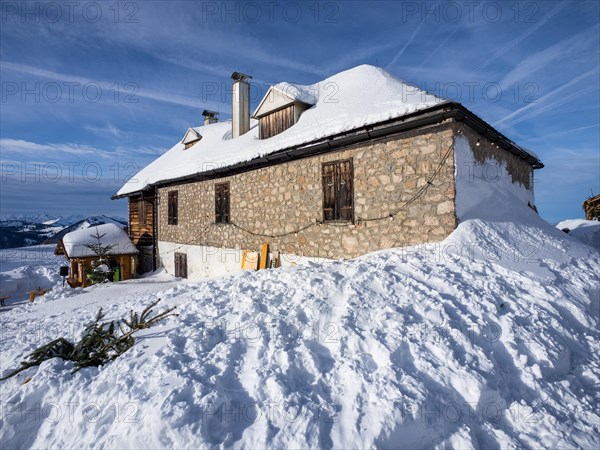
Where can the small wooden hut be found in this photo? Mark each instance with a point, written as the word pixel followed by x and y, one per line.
pixel 75 246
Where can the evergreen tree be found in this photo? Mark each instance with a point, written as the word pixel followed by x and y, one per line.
pixel 101 271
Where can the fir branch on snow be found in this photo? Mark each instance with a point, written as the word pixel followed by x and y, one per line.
pixel 100 343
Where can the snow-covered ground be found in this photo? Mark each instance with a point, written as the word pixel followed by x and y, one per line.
pixel 488 340
pixel 587 231
pixel 26 269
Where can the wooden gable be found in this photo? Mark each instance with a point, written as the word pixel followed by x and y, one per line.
pixel 190 138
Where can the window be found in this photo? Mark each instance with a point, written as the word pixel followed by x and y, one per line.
pixel 172 207
pixel 338 191
pixel 222 203
pixel 181 265
pixel 142 212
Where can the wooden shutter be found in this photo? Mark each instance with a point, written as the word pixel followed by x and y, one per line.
pixel 345 190
pixel 172 208
pixel 222 203
pixel 328 191
pixel 338 191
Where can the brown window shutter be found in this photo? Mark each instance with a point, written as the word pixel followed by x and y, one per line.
pixel 218 215
pixel 169 210
pixel 172 208
pixel 222 203
pixel 328 191
pixel 338 191
pixel 346 190
pixel 175 207
pixel 226 203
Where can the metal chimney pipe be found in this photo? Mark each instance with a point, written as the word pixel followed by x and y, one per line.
pixel 210 117
pixel 240 107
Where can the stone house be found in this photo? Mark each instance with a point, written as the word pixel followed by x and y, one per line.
pixel 352 164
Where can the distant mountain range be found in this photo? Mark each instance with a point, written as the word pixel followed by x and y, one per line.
pixel 26 230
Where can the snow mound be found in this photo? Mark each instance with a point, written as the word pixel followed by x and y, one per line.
pixel 26 269
pixel 464 343
pixel 586 231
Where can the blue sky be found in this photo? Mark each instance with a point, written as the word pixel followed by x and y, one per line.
pixel 91 91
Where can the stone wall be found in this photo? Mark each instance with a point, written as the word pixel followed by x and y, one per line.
pixel 283 198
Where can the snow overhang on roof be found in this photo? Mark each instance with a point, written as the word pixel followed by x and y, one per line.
pixel 76 243
pixel 191 136
pixel 357 104
pixel 282 95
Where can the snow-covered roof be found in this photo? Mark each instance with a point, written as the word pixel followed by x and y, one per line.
pixel 282 94
pixel 361 96
pixel 75 243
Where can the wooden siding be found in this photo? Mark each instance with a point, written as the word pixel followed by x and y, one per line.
pixel 140 233
pixel 276 122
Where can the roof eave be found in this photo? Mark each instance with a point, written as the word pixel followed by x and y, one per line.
pixel 428 116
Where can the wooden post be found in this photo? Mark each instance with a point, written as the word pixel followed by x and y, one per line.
pixel 264 255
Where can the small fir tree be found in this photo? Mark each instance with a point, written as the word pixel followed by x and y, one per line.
pixel 100 271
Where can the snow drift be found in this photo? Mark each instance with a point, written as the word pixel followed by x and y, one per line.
pixel 429 346
pixel 488 339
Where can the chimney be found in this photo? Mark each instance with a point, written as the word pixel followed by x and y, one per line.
pixel 210 117
pixel 240 104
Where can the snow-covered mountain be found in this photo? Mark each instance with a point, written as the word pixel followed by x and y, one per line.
pixel 25 230
pixel 85 223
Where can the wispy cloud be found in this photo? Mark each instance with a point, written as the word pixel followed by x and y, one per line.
pixel 540 104
pixel 108 129
pixel 437 49
pixel 108 86
pixel 549 136
pixel 523 35
pixel 21 147
pixel 405 46
pixel 537 61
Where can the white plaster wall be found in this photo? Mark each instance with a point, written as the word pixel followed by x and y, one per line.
pixel 211 262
